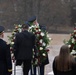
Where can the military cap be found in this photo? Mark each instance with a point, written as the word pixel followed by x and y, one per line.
pixel 1 29
pixel 32 19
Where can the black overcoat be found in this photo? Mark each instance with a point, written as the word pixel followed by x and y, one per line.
pixel 5 58
pixel 24 44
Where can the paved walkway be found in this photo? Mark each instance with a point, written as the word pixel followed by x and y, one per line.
pixel 54 50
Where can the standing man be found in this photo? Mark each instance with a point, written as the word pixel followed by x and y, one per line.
pixel 24 43
pixel 5 55
pixel 33 21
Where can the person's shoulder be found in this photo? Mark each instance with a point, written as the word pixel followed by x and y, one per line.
pixel 31 33
pixel 18 34
pixel 56 57
pixel 4 43
pixel 43 27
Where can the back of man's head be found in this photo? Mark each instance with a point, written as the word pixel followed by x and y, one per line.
pixel 25 27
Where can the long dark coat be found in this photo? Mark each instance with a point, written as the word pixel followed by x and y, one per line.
pixel 24 43
pixel 5 58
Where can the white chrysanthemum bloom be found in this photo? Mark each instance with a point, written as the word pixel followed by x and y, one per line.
pixel 33 32
pixel 69 46
pixel 14 37
pixel 44 54
pixel 33 50
pixel 41 41
pixel 73 52
pixel 44 44
pixel 33 56
pixel 50 38
pixel 39 29
pixel 73 40
pixel 32 26
pixel 47 35
pixel 41 48
pixel 74 30
pixel 12 43
pixel 19 25
pixel 20 30
pixel 12 55
pixel 13 32
pixel 42 34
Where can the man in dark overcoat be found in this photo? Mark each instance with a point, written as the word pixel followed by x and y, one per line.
pixel 24 45
pixel 5 55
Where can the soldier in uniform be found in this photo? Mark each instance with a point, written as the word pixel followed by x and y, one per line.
pixel 5 55
pixel 33 20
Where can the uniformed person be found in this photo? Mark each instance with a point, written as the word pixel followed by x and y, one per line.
pixel 33 20
pixel 5 56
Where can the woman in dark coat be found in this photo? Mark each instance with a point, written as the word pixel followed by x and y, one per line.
pixel 64 63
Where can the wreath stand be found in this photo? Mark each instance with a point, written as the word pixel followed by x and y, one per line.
pixel 37 70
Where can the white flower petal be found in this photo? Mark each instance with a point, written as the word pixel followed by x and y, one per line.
pixel 69 46
pixel 74 30
pixel 44 44
pixel 42 34
pixel 12 43
pixel 41 48
pixel 44 54
pixel 73 40
pixel 41 41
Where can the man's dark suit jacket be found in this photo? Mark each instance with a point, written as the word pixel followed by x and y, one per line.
pixel 24 44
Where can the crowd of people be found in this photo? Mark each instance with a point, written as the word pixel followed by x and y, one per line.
pixel 24 46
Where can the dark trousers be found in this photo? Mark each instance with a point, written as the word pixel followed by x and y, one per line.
pixel 35 70
pixel 26 66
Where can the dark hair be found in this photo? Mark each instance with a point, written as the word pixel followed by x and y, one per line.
pixel 64 60
pixel 24 26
